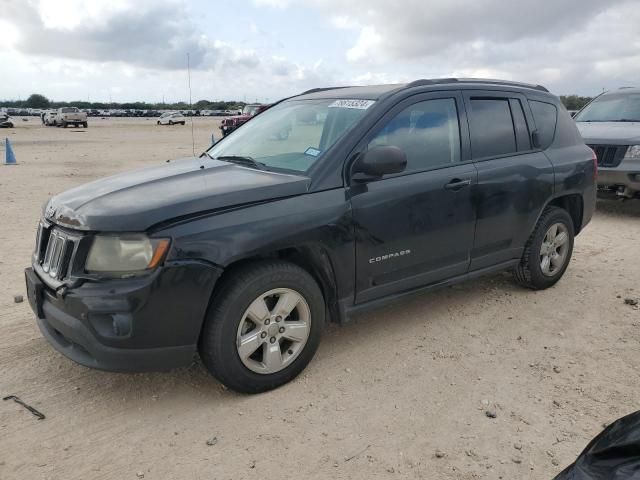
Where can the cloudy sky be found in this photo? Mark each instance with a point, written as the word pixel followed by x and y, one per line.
pixel 265 49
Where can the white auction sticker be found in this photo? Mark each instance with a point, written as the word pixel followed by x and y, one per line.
pixel 359 104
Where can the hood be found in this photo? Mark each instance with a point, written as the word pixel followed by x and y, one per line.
pixel 135 201
pixel 610 133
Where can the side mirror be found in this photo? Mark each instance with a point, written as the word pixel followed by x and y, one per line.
pixel 535 139
pixel 380 161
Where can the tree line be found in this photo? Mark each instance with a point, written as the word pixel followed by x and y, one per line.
pixel 35 100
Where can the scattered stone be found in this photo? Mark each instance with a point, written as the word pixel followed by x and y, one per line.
pixel 631 301
pixel 485 402
pixel 440 454
pixel 391 470
pixel 516 460
pixel 140 474
pixel 550 453
pixel 18 298
pixel 555 462
pixel 348 370
pixel 556 403
pixel 212 441
pixel 491 413
pixel 517 446
pixel 556 369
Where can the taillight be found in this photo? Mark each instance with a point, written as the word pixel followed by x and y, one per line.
pixel 594 157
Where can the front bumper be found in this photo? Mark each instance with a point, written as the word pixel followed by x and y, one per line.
pixel 148 323
pixel 627 175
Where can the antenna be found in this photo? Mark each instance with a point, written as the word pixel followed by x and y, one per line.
pixel 193 142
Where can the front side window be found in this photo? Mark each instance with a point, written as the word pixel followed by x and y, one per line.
pixel 428 132
pixel 612 107
pixel 492 132
pixel 294 134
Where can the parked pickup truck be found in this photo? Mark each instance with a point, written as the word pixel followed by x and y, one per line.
pixel 229 124
pixel 243 254
pixel 70 116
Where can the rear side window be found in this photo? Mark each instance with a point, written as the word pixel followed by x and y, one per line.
pixel 545 116
pixel 492 131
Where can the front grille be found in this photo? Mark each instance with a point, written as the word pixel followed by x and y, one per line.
pixel 609 156
pixel 54 250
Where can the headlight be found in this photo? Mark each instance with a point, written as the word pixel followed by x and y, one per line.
pixel 125 253
pixel 633 152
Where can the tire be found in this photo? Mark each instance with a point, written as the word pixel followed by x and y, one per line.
pixel 170 122
pixel 530 272
pixel 85 125
pixel 228 315
pixel 64 124
pixel 158 122
pixel 183 124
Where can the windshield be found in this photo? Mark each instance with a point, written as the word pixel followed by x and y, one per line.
pixel 294 134
pixel 612 107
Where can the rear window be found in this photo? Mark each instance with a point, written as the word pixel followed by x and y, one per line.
pixel 492 132
pixel 545 115
pixel 69 109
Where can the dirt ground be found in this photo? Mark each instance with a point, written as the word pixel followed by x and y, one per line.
pixel 382 396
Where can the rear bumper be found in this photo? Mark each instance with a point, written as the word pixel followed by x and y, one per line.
pixel 148 323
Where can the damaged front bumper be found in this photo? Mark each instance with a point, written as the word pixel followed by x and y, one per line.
pixel 149 323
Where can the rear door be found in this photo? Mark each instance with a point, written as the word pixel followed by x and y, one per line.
pixel 515 180
pixel 416 228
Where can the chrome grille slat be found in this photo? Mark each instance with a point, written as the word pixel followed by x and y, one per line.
pixel 58 252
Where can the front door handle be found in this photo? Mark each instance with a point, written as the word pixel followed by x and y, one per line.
pixel 457 184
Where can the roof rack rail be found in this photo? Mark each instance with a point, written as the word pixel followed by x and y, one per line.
pixel 436 81
pixel 322 89
pixel 625 88
pixel 430 81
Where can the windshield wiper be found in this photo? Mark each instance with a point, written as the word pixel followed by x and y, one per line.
pixel 242 160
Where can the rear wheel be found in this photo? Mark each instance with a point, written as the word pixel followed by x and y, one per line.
pixel 85 124
pixel 263 327
pixel 170 122
pixel 548 250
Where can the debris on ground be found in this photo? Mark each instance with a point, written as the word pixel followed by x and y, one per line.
pixel 18 299
pixel 491 413
pixel 440 454
pixel 212 441
pixel 35 412
pixel 631 301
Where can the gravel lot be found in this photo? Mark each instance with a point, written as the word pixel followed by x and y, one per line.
pixel 400 393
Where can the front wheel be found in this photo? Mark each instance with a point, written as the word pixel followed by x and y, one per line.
pixel 548 250
pixel 263 327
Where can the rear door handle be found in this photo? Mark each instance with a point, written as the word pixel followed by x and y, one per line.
pixel 457 184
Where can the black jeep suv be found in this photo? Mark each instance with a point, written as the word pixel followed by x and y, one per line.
pixel 244 253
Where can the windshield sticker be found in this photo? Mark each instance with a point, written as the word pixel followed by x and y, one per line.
pixel 358 104
pixel 314 152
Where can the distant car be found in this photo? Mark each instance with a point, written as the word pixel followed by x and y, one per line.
pixel 70 116
pixel 50 118
pixel 230 124
pixel 6 121
pixel 171 118
pixel 610 125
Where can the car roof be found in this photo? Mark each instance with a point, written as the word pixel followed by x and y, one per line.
pixel 375 92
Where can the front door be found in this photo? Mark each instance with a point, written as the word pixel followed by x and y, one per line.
pixel 416 228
